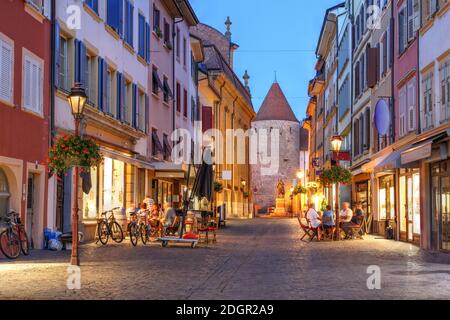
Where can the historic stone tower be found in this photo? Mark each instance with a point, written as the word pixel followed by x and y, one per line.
pixel 276 113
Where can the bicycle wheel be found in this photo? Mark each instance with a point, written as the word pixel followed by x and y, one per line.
pixel 116 232
pixel 103 232
pixel 24 243
pixel 144 234
pixel 10 244
pixel 134 234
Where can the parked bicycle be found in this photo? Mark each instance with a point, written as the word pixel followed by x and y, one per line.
pixel 139 228
pixel 109 227
pixel 14 239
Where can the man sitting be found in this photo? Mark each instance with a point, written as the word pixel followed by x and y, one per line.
pixel 346 216
pixel 314 220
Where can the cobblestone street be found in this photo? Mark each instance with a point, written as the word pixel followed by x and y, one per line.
pixel 259 259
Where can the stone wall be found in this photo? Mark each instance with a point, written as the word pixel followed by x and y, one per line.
pixel 264 186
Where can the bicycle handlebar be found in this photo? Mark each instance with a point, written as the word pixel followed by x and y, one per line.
pixel 110 211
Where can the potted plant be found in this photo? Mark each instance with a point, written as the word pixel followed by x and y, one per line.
pixel 246 195
pixel 168 46
pixel 158 32
pixel 300 190
pixel 218 187
pixel 72 150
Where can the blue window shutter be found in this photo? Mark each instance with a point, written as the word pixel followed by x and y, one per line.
pixel 147 43
pixel 57 49
pixel 106 105
pixel 120 18
pixel 134 107
pixel 142 41
pixel 123 96
pixel 83 63
pixel 100 85
pixel 93 4
pixel 77 61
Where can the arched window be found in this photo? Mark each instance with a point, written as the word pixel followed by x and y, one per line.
pixel 4 194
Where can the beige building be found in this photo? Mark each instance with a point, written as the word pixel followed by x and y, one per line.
pixel 226 104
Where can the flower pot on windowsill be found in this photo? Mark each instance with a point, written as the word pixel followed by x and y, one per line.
pixel 168 46
pixel 158 32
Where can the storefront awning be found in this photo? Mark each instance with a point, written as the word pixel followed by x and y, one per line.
pixel 126 159
pixel 389 161
pixel 416 153
pixel 172 170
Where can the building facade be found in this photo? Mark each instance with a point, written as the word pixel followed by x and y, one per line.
pixel 25 110
pixel 226 104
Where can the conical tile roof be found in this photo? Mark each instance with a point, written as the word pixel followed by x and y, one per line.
pixel 275 106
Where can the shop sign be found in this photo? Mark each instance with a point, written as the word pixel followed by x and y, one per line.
pixel 341 156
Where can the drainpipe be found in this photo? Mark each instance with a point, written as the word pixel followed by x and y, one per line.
pixel 174 101
pixel 52 74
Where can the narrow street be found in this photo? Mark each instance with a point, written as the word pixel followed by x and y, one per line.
pixel 258 259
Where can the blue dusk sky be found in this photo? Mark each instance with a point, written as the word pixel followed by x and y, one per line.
pixel 273 36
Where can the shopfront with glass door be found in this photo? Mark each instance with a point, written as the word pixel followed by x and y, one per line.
pixel 386 204
pixel 440 189
pixel 409 205
pixel 162 191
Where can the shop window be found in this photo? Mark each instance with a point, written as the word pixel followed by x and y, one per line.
pixel 113 184
pixel 4 194
pixel 90 201
pixel 386 198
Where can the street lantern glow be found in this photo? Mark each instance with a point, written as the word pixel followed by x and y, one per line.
pixel 300 175
pixel 77 100
pixel 336 143
pixel 244 183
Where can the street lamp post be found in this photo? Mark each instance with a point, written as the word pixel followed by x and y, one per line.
pixel 336 144
pixel 77 101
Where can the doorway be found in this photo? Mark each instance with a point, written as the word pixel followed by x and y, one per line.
pixel 4 194
pixel 30 208
pixel 441 205
pixel 409 218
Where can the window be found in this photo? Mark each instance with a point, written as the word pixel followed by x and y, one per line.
pixel 344 97
pixel 356 138
pixel 156 81
pixel 402 112
pixel 128 101
pixel 167 152
pixel 141 110
pixel 63 64
pixel 114 15
pixel 166 89
pixel 142 40
pixel 90 201
pixel 113 184
pixel 103 85
pixel 184 52
pixel 412 106
pixel 402 31
pixel 33 80
pixel 185 103
pixel 367 130
pixel 110 100
pixel 129 22
pixel 93 4
pixel 4 194
pixel 156 19
pixel 178 97
pixel 445 90
pixel 178 45
pixel 6 71
pixel 37 4
pixel 166 32
pixel 427 85
pixel 91 69
pixel 157 147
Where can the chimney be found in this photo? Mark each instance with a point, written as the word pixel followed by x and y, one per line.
pixel 246 77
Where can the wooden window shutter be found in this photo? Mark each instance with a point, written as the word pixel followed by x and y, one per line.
pixel 357 80
pixel 207 118
pixel 410 20
pixel 372 67
pixel 6 71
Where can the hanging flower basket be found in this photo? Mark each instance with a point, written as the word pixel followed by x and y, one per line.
pixel 71 150
pixel 300 190
pixel 334 175
pixel 246 195
pixel 218 187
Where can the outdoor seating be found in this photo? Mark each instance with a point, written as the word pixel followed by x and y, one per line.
pixel 328 233
pixel 309 232
pixel 355 230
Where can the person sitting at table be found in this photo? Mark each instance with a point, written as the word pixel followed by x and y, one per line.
pixel 358 214
pixel 169 217
pixel 346 216
pixel 328 218
pixel 314 220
